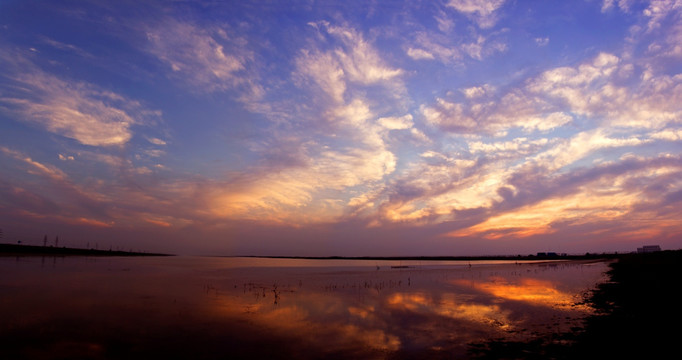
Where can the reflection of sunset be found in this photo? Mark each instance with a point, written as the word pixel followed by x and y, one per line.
pixel 374 338
pixel 535 291
pixel 245 307
pixel 409 301
pixel 363 313
pixel 450 306
pixel 310 317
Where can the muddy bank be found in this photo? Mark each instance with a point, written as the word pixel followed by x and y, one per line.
pixel 637 316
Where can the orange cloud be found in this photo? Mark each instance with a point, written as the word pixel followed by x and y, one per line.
pixel 587 206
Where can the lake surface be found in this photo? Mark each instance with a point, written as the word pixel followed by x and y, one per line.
pixel 214 308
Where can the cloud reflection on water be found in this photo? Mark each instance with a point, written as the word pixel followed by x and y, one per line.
pixel 534 291
pixel 419 308
pixel 207 306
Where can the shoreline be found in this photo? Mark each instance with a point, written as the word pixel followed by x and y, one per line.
pixel 36 250
pixel 634 312
pixel 604 256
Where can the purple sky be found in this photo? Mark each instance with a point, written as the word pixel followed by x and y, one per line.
pixel 461 127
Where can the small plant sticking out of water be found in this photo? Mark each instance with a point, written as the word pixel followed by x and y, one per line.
pixel 274 290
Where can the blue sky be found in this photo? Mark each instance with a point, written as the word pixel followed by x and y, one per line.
pixel 342 128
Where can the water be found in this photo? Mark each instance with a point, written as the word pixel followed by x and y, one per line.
pixel 213 308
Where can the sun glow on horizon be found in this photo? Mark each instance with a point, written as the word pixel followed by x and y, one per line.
pixel 332 126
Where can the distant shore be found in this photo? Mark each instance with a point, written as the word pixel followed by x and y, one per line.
pixel 587 256
pixel 34 250
pixel 31 250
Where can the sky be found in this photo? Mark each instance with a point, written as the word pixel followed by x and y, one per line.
pixel 342 128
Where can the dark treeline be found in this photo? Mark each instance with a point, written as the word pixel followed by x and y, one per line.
pixel 30 250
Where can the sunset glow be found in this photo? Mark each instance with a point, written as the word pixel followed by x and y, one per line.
pixel 446 127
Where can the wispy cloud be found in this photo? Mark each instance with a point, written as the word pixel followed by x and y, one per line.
pixel 483 12
pixel 556 96
pixel 604 194
pixel 347 150
pixel 209 58
pixel 360 61
pixel 493 175
pixel 123 195
pixel 623 5
pixel 453 49
pixel 73 109
pixel 67 47
pixel 542 41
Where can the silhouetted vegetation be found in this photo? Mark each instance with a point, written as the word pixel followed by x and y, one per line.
pixel 29 250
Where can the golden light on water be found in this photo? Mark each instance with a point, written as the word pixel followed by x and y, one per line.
pixel 534 291
pixel 348 307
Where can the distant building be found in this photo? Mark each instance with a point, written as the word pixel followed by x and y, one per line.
pixel 648 249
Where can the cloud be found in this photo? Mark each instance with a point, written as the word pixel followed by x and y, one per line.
pixel 542 41
pixel 482 47
pixel 571 84
pixel 73 109
pixel 514 148
pixel 356 132
pixel 36 167
pixel 29 202
pixel 569 151
pixel 120 194
pixel 658 10
pixel 594 90
pixel 324 71
pixel 667 134
pixel 663 31
pixel 445 23
pixel 314 188
pixel 531 198
pixel 156 141
pixel 623 5
pixel 603 194
pixel 361 62
pixel 57 187
pixel 497 176
pixel 482 12
pixel 67 47
pixel 210 58
pixel 555 97
pixel 419 54
pixel 428 46
pixel 396 123
pixel 342 156
pixel 477 91
pixel 451 49
pixel 79 112
pixel 449 116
